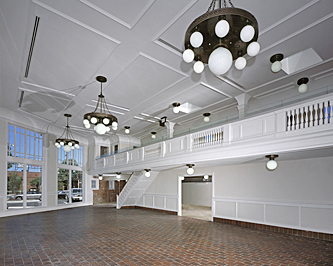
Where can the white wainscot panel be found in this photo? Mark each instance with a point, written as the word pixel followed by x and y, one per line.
pixel 171 204
pixel 100 163
pixel 159 202
pixel 252 128
pixel 225 209
pixel 109 161
pixel 236 132
pixel 282 215
pixel 148 201
pixel 153 150
pixel 270 124
pixel 134 155
pixel 251 211
pixel 320 219
pixel 175 145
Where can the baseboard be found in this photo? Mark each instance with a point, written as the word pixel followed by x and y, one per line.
pixel 284 230
pixel 150 209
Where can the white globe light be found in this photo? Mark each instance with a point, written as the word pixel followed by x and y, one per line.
pixel 220 61
pixel 276 66
pixel 188 55
pixel 56 144
pixel 107 129
pixel 176 109
pixel 76 146
pixel 85 121
pixel 114 124
pixel 100 129
pixel 222 28
pixel 87 125
pixel 114 128
pixel 72 147
pixel 271 165
pixel 302 88
pixel 247 33
pixel 100 177
pixel 206 177
pixel 106 121
pixel 190 171
pixel 153 136
pixel 240 63
pixel 70 144
pixel 206 119
pixel 127 131
pixel 253 49
pixel 93 120
pixel 62 143
pixel 196 39
pixel 67 148
pixel 198 67
pixel 182 178
pixel 118 176
pixel 147 174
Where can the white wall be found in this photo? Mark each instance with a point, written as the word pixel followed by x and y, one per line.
pixel 298 194
pixel 199 194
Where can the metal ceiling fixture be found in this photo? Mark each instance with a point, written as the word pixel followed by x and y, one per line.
pixel 190 170
pixel 206 117
pixel 101 117
pixel 276 62
pixel 176 108
pixel 153 135
pixel 147 173
pixel 220 36
pixel 302 85
pixel 66 139
pixel 271 164
pixel 127 129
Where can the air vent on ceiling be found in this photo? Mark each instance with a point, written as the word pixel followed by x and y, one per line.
pixel 170 45
pixel 32 44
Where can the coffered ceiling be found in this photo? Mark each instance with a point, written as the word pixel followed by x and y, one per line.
pixel 137 45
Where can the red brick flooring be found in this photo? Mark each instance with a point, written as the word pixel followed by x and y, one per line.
pixel 98 235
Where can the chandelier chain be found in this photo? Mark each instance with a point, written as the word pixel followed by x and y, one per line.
pixel 213 3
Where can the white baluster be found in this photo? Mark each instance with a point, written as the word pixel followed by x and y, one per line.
pixel 296 119
pixel 324 113
pixel 317 114
pixel 287 121
pixel 305 117
pixel 311 120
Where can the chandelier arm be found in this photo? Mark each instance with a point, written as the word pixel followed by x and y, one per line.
pixel 212 6
pixel 106 106
pixel 231 3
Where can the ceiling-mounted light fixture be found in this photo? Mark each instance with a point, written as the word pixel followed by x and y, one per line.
pixel 153 135
pixel 190 170
pixel 220 36
pixel 302 85
pixel 127 129
pixel 176 108
pixel 67 140
pixel 118 175
pixel 101 117
pixel 271 164
pixel 147 173
pixel 100 177
pixel 206 115
pixel 182 178
pixel 276 62
pixel 206 177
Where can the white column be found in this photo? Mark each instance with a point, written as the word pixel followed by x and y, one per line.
pixel 242 106
pixel 170 129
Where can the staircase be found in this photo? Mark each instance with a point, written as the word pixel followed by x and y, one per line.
pixel 134 188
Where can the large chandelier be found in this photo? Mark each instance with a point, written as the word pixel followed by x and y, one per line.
pixel 220 36
pixel 101 117
pixel 67 140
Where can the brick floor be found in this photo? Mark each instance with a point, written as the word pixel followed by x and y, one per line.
pixel 98 235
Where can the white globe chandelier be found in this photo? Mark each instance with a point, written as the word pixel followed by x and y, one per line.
pixel 219 37
pixel 66 140
pixel 101 117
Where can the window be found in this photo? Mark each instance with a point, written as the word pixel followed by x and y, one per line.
pixel 111 185
pixel 74 157
pixel 24 186
pixel 23 143
pixel 103 150
pixel 93 184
